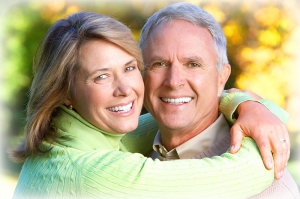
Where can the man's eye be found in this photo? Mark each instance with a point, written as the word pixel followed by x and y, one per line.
pixel 192 65
pixel 130 68
pixel 159 64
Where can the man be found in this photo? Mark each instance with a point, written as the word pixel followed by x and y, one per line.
pixel 184 50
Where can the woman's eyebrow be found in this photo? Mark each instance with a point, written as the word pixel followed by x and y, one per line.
pixel 130 62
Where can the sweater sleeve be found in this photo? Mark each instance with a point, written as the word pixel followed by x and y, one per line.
pixel 230 102
pixel 113 174
pixel 279 112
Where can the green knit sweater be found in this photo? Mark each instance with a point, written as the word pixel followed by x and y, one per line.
pixel 86 162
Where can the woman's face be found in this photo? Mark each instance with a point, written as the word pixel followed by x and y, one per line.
pixel 109 88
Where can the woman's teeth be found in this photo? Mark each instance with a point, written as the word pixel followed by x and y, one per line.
pixel 121 108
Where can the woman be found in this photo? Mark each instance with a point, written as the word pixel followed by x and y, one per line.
pixel 86 94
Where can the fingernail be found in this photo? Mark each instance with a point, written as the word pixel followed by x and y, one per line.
pixel 270 165
pixel 232 148
pixel 278 175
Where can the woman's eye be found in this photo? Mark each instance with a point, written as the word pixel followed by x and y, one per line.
pixel 100 77
pixel 192 65
pixel 130 68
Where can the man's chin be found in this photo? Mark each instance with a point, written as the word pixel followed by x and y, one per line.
pixel 173 124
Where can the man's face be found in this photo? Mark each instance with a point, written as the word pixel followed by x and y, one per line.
pixel 182 84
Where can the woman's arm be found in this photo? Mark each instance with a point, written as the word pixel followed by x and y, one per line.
pixel 106 173
pixel 259 119
pixel 141 139
pixel 225 176
pixel 230 102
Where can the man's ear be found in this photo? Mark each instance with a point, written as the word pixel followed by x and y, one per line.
pixel 223 77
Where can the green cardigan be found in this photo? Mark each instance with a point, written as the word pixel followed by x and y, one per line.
pixel 86 162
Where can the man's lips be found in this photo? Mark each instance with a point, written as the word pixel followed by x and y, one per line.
pixel 179 100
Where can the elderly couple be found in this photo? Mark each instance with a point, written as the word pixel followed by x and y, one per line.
pixel 87 94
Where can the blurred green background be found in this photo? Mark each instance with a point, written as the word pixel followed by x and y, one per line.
pixel 263 49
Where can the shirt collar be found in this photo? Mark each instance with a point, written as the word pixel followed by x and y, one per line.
pixel 189 149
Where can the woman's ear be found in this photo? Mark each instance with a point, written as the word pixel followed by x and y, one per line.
pixel 68 102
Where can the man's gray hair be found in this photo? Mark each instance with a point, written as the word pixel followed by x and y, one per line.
pixel 193 14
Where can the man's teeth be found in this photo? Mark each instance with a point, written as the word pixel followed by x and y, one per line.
pixel 177 100
pixel 121 108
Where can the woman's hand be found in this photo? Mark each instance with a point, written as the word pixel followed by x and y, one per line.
pixel 271 135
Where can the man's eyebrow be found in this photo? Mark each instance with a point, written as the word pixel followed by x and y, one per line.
pixel 193 58
pixel 155 58
pixel 186 58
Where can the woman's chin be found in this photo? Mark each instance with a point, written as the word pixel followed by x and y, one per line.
pixel 127 128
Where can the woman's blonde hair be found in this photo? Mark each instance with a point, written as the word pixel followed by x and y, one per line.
pixel 56 63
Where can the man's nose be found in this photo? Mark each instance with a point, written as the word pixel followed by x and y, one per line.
pixel 175 78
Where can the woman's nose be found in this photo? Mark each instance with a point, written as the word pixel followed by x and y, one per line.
pixel 123 88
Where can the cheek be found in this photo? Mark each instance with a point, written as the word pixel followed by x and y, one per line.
pixel 204 84
pixel 146 82
pixel 93 97
pixel 137 84
pixel 152 82
pixel 147 91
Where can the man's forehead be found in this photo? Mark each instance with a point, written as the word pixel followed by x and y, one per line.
pixel 174 23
